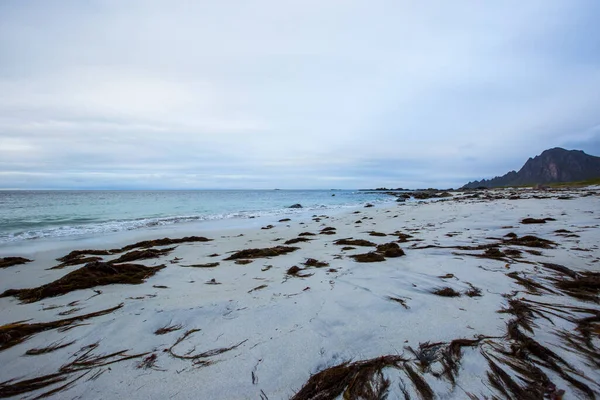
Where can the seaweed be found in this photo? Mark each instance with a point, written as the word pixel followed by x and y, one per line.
pixel 328 231
pixel 311 262
pixel 261 253
pixel 390 250
pixel 198 359
pixel 257 288
pixel 536 220
pixel 368 257
pixel 168 329
pixel 306 234
pixel 373 233
pixel 85 361
pixel 295 271
pixel 145 254
pixel 446 292
pixel 358 380
pixel 77 254
pixel 530 241
pixel 585 286
pixel 17 332
pixel 354 242
pixel 48 349
pixel 297 240
pixel 164 242
pixel 532 286
pixel 243 262
pixel 11 261
pixel 76 261
pixel 91 275
pixel 473 291
pixel 208 265
pixel 399 300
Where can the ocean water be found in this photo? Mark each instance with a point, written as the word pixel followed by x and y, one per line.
pixel 27 216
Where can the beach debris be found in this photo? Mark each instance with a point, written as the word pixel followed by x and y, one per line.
pixel 48 349
pixel 369 205
pixel 149 362
pixel 446 292
pixel 165 242
pixel 328 231
pixel 390 250
pixel 17 332
pixel 297 205
pixel 77 261
pixel 307 234
pixel 213 281
pixel 530 241
pixel 243 262
pixel 91 275
pixel 284 220
pixel 6 262
pixel 354 242
pixel 207 265
pixel 447 276
pixel 295 271
pixel 257 288
pixel 160 286
pixel 85 361
pixel 297 240
pixel 332 270
pixel 266 268
pixel 199 359
pixel 261 253
pixel 536 220
pixel 473 291
pixel 268 227
pixel 399 300
pixel 145 254
pixel 374 233
pixel 168 329
pixel 77 254
pixel 346 248
pixel 213 255
pixel 311 262
pixel 368 257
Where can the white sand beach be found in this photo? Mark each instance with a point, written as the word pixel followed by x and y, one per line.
pixel 255 331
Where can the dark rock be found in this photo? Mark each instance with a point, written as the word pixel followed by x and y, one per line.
pixel 295 206
pixel 552 166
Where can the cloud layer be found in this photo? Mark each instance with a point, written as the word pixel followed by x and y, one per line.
pixel 298 94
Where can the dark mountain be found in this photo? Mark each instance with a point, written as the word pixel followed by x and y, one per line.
pixel 553 165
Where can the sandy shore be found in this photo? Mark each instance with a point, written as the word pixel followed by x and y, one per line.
pixel 253 330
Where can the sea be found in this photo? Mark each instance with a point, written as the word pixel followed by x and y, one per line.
pixel 32 216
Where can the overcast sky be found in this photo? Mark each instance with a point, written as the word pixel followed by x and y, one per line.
pixel 291 94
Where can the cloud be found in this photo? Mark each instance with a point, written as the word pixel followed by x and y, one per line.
pixel 148 94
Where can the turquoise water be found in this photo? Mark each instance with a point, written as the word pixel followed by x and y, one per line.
pixel 31 215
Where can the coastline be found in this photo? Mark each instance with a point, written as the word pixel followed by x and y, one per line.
pixel 280 334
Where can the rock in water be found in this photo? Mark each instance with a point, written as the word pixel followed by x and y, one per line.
pixel 295 206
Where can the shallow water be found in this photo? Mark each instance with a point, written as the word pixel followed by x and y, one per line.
pixel 32 215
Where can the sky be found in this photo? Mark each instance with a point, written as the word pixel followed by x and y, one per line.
pixel 145 94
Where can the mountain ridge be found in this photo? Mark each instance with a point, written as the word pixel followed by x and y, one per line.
pixel 551 166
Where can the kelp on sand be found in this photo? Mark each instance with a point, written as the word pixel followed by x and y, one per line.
pixel 91 275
